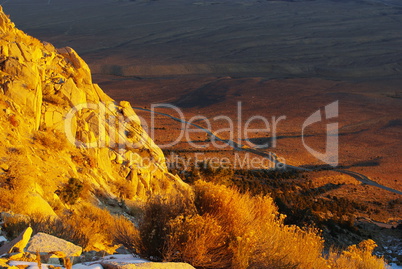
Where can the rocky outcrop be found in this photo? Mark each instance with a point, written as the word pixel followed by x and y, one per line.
pixel 53 115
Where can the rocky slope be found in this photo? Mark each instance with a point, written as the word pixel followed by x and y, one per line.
pixel 56 125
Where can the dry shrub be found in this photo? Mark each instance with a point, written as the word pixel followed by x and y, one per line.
pixel 14 224
pixel 53 139
pixel 84 160
pixel 16 183
pixel 104 230
pixel 95 224
pixel 125 189
pixel 158 212
pixel 13 120
pixel 198 240
pixel 67 263
pixel 55 98
pixel 19 175
pixel 6 200
pixel 259 239
pixel 136 209
pixel 70 192
pixel 126 234
pixel 234 230
pixel 357 256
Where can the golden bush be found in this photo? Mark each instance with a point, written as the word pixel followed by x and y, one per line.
pixel 158 212
pixel 227 229
pixel 259 237
pixel 357 256
pixel 16 183
pixel 125 233
pixel 124 189
pixel 198 240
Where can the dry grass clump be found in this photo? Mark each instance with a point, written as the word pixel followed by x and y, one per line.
pixel 15 183
pixel 125 189
pixel 198 240
pixel 158 212
pixel 13 120
pixel 357 256
pixel 257 233
pixel 84 160
pixel 54 97
pixel 126 234
pixel 52 139
pixel 70 192
pixel 96 224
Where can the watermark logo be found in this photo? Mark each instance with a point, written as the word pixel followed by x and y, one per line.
pixel 331 154
pixel 120 129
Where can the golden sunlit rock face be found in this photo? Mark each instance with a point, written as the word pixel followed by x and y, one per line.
pixel 53 116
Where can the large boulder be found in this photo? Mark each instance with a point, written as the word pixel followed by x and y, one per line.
pixel 48 243
pixel 18 244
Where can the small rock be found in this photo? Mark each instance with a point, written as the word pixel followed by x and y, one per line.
pixel 48 243
pixel 54 260
pixel 91 256
pixel 122 250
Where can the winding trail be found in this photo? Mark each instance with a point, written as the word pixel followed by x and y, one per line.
pixel 270 156
pixel 365 180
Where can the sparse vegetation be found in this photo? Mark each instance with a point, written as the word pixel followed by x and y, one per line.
pixel 125 189
pixel 215 173
pixel 84 160
pixel 52 139
pixel 295 196
pixel 13 120
pixel 158 212
pixel 54 97
pixel 71 191
pixel 126 234
pixel 15 183
pixel 357 256
pixel 67 263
